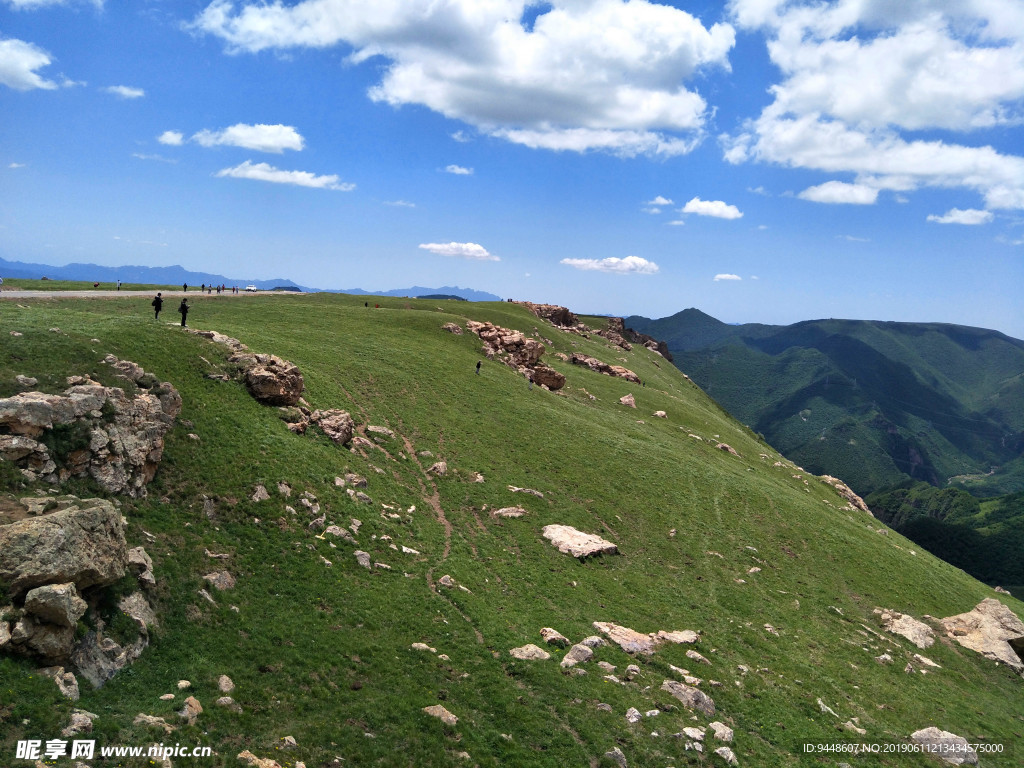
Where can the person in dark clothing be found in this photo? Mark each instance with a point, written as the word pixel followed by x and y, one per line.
pixel 477 367
pixel 183 311
pixel 184 287
pixel 158 304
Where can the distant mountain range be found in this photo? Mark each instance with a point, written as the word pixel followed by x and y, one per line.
pixel 176 275
pixel 874 403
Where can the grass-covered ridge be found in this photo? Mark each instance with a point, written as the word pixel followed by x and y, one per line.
pixel 322 651
pixel 877 403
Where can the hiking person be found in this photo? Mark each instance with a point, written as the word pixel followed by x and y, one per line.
pixel 158 304
pixel 183 311
pixel 477 367
pixel 119 285
pixel 184 287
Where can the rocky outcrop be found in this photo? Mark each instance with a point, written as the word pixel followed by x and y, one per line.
pixel 336 424
pixel 270 379
pixel 554 314
pixel 614 333
pixel 570 541
pixel 854 501
pixel 917 632
pixel 81 541
pixel 518 351
pixel 632 641
pixel 648 341
pixel 991 629
pixel 594 364
pixel 53 564
pixel 91 430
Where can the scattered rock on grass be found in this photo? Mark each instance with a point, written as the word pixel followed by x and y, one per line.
pixel 438 711
pixel 530 652
pixel 570 541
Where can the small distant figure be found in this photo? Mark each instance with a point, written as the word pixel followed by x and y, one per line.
pixel 366 303
pixel 477 367
pixel 119 285
pixel 184 287
pixel 202 288
pixel 183 309
pixel 95 285
pixel 158 304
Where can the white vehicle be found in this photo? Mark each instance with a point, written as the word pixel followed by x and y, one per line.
pixel 251 288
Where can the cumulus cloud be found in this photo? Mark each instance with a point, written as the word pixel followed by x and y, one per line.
pixel 601 75
pixel 840 192
pixel 125 91
pixel 659 200
pixel 726 276
pixel 716 208
pixel 265 172
pixel 956 216
pixel 18 64
pixel 261 138
pixel 631 265
pixel 858 76
pixel 458 170
pixel 171 138
pixel 471 251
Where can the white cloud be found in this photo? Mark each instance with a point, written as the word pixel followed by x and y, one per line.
pixel 16 165
pixel 957 216
pixel 853 239
pixel 725 276
pixel 125 91
pixel 631 265
pixel 18 64
pixel 31 5
pixel 471 251
pixel 261 138
pixel 461 137
pixel 264 172
pixel 840 192
pixel 458 170
pixel 400 203
pixel 858 75
pixel 677 223
pixel 659 200
pixel 171 138
pixel 716 208
pixel 604 74
pixel 158 158
pixel 652 211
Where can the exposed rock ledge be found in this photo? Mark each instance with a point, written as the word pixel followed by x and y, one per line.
pixel 991 629
pixel 98 431
pixel 601 367
pixel 518 351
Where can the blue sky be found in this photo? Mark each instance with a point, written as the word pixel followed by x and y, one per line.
pixel 762 160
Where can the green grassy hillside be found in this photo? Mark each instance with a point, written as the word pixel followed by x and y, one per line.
pixel 320 648
pixel 874 403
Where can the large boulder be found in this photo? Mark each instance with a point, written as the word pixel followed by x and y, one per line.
pixel 944 745
pixel 991 629
pixel 56 603
pixel 336 424
pixel 577 543
pixel 546 376
pixel 83 543
pixel 517 350
pixel 270 379
pixel 691 697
